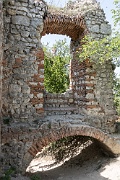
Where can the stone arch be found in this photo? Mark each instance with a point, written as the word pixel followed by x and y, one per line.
pixel 64 25
pixel 75 130
pixel 23 77
pixel 106 142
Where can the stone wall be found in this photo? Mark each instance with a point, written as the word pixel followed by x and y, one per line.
pixel 60 104
pixel 32 117
pixel 23 81
pixel 90 80
pixel 23 73
pixel 90 84
pixel 25 22
pixel 21 142
pixel 99 28
pixel 1 68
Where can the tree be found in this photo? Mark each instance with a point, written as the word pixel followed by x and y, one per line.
pixel 117 94
pixel 116 12
pixel 104 49
pixel 57 59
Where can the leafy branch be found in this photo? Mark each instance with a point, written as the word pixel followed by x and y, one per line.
pixel 101 50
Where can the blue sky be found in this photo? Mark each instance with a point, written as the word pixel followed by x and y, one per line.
pixel 107 5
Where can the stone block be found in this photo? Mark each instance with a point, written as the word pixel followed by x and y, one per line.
pixel 40 95
pixel 11 11
pixel 21 20
pixel 95 28
pixel 36 22
pixel 25 34
pixel 90 96
pixel 70 100
pixel 105 29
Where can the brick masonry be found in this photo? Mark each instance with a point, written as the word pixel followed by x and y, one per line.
pixel 22 142
pixel 90 90
pixel 32 117
pixel 23 72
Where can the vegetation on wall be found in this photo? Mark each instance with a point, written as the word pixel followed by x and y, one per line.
pixel 106 49
pixel 56 75
pixel 117 94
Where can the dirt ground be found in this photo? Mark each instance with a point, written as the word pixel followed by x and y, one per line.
pixel 91 164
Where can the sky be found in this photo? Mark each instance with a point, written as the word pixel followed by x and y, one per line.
pixel 107 5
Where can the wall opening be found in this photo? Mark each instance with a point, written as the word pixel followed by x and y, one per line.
pixel 66 152
pixel 59 152
pixel 56 63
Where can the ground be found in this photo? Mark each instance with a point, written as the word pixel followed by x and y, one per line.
pixel 91 164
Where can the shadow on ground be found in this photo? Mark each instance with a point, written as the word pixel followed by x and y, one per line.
pixel 88 165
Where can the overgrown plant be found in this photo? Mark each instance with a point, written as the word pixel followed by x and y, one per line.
pixel 116 13
pixel 8 174
pixel 117 94
pixel 108 48
pixel 35 177
pixel 101 50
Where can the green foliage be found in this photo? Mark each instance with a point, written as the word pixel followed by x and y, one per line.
pixel 8 174
pixel 35 177
pixel 117 94
pixel 116 12
pixel 56 71
pixel 104 49
pixel 101 50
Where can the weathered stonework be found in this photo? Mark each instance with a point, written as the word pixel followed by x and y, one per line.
pixel 1 73
pixel 1 54
pixel 89 88
pixel 32 117
pixel 22 142
pixel 23 60
pixel 23 74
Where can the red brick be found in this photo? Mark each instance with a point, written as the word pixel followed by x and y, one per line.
pixel 40 110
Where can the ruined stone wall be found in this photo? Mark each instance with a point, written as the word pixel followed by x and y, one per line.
pixel 1 57
pixel 23 73
pixel 1 69
pixel 60 104
pixel 87 104
pixel 21 142
pixel 93 82
pixel 103 81
pixel 1 53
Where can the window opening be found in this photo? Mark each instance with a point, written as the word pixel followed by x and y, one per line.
pixel 56 63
